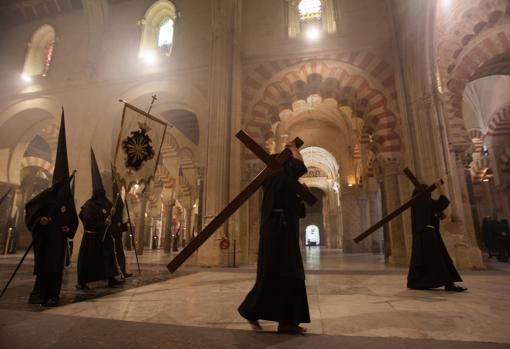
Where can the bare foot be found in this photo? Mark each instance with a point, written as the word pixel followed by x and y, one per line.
pixel 255 326
pixel 291 329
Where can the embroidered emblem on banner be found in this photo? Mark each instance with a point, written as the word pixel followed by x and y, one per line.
pixel 138 147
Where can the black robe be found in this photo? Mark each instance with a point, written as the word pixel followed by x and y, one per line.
pixel 49 241
pixel 431 265
pixel 96 259
pixel 279 293
pixel 117 229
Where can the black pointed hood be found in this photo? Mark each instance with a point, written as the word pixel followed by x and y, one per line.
pixel 61 172
pixel 97 183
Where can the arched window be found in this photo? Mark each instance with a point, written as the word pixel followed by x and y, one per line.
pixel 310 17
pixel 310 11
pixel 158 31
pixel 166 35
pixel 40 52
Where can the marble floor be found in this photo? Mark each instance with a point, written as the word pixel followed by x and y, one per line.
pixel 349 295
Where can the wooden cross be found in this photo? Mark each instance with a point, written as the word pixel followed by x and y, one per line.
pixel 401 209
pixel 272 165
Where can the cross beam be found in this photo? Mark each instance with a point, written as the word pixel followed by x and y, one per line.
pixel 271 162
pixel 236 203
pixel 399 210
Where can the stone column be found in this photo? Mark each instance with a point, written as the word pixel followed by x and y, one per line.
pixel 503 194
pixel 395 230
pixel 143 198
pixel 167 225
pixel 219 137
pixel 375 216
pixel 458 229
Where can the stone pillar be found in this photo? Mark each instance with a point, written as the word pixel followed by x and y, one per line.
pixel 354 219
pixel 395 230
pixel 375 216
pixel 140 222
pixel 458 230
pixel 200 190
pixel 219 135
pixel 503 194
pixel 167 225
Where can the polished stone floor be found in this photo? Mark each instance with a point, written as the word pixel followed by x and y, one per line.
pixel 151 270
pixel 353 299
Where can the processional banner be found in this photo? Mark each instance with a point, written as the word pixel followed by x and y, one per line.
pixel 138 146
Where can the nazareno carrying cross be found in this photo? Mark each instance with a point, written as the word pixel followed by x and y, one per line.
pixel 422 190
pixel 272 164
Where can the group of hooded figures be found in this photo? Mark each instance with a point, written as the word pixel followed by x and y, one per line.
pixel 279 293
pixel 52 219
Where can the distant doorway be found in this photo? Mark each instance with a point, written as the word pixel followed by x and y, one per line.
pixel 312 235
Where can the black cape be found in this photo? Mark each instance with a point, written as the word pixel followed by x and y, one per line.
pixel 431 265
pixel 279 293
pixel 96 259
pixel 49 241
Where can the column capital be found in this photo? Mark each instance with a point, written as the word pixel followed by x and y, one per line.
pixel 391 166
pixel 464 157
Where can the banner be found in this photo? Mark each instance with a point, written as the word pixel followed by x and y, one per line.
pixel 138 147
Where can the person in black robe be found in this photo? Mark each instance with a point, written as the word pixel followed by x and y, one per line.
pixel 96 259
pixel 51 218
pixel 431 265
pixel 118 228
pixel 279 293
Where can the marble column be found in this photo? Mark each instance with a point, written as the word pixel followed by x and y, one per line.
pixel 219 135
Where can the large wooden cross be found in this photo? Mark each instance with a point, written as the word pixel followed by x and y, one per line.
pixel 401 209
pixel 272 165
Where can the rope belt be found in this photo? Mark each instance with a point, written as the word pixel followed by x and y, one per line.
pixel 430 226
pixel 90 232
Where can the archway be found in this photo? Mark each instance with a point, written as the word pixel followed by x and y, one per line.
pixel 323 180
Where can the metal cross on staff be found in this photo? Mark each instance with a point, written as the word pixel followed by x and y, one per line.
pixel 402 208
pixel 272 165
pixel 154 98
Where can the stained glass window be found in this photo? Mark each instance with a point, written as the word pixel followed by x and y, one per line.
pixel 310 10
pixel 49 54
pixel 166 35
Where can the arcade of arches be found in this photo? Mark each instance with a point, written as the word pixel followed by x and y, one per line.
pixel 379 86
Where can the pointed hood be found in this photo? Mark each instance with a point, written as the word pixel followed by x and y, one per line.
pixel 61 172
pixel 97 183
